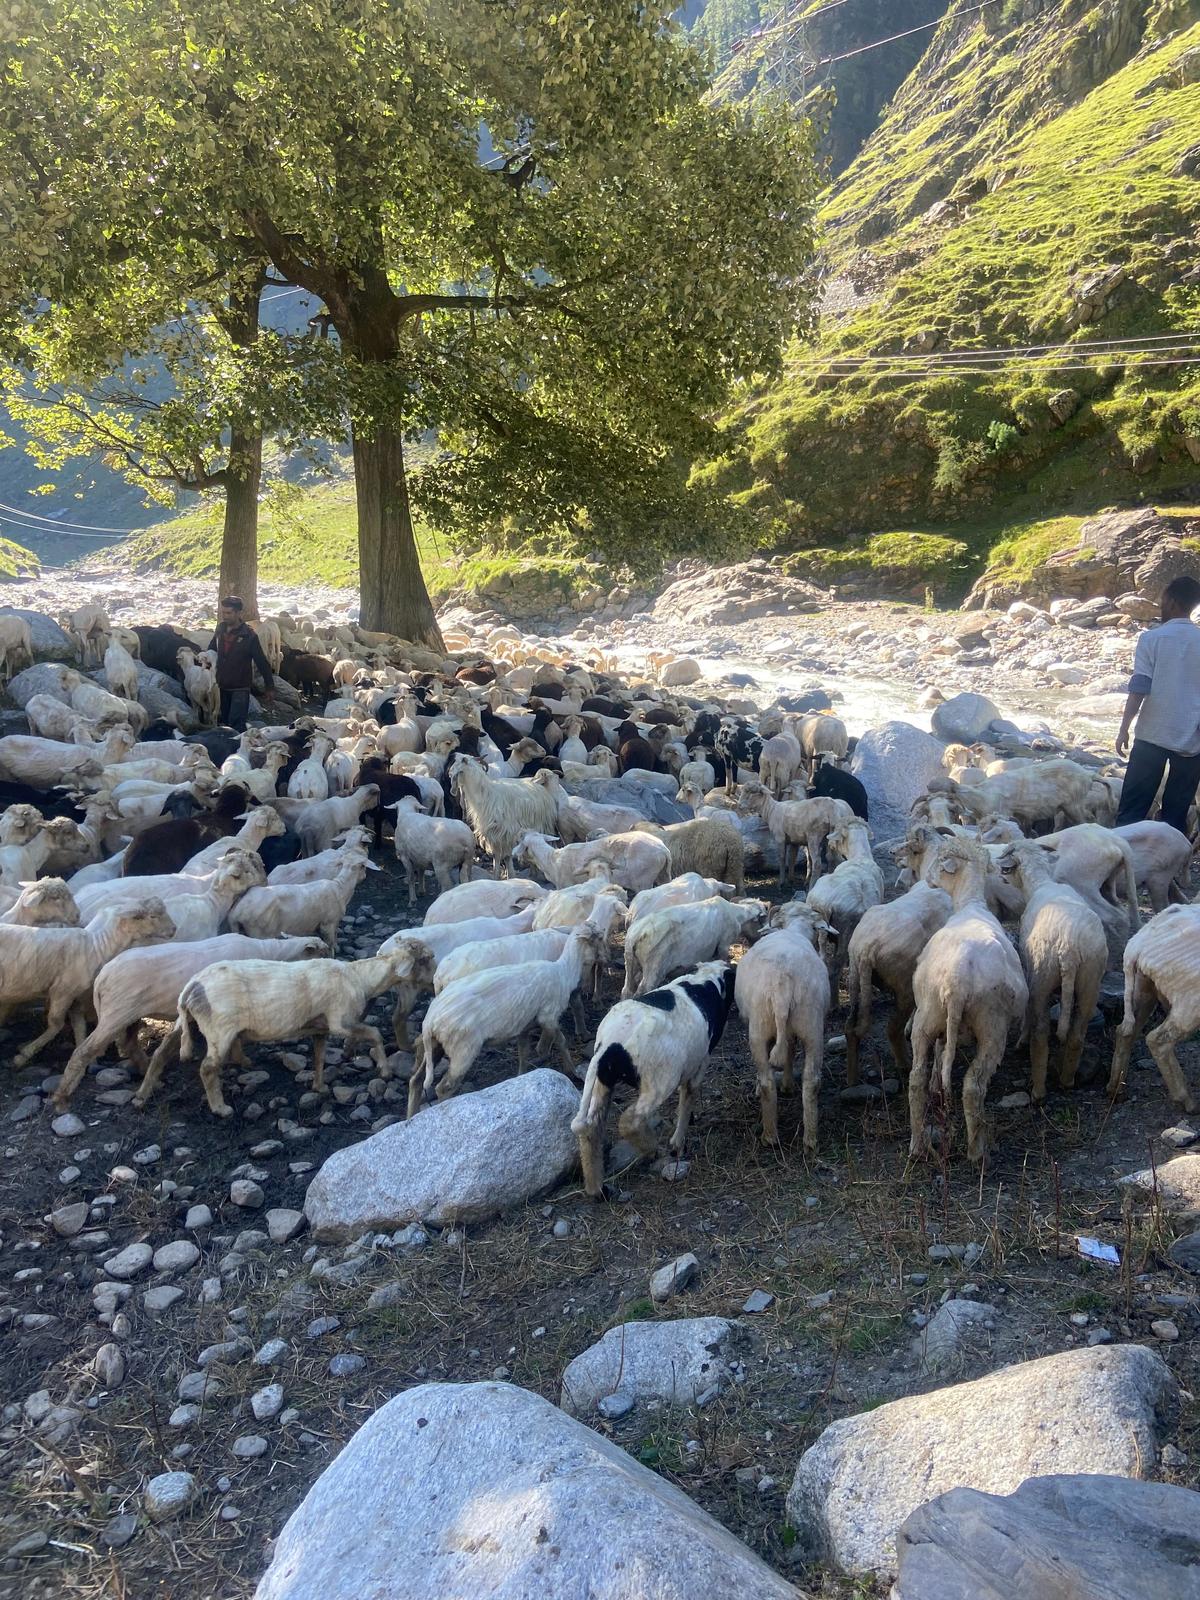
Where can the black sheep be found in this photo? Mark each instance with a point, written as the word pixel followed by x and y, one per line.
pixel 834 784
pixel 393 786
pixel 159 648
pixel 634 752
pixel 169 845
pixel 499 730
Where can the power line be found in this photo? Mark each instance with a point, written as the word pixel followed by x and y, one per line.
pixel 925 27
pixel 53 522
pixel 23 527
pixel 1094 354
pixel 926 371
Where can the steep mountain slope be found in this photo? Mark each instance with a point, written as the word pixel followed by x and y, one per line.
pixel 1034 182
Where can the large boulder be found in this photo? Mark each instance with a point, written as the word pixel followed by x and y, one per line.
pixel 894 763
pixel 673 1362
pixel 1175 1185
pixel 44 677
pixel 50 643
pixel 458 1161
pixel 1090 1410
pixel 1073 1537
pixel 484 1489
pixel 964 718
pixel 710 596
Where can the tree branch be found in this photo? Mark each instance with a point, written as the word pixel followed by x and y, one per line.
pixel 286 255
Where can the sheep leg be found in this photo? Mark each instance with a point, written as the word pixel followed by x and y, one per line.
pixel 364 1030
pixel 416 1083
pixel 457 1071
pixel 559 1041
pixel 1087 993
pixel 132 1050
pixel 988 1055
pixel 1140 1000
pixel 1037 1026
pixel 814 1060
pixel 578 1020
pixel 329 932
pixel 636 1125
pixel 444 879
pixel 320 1039
pixel 210 1078
pixel 629 988
pixel 897 1029
pixel 56 1020
pixel 1161 1042
pixel 918 1090
pixel 767 1094
pixel 591 1144
pixel 85 1052
pixel 166 1054
pixel 407 995
pixel 683 1116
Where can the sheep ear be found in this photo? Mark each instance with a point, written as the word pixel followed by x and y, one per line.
pixel 946 833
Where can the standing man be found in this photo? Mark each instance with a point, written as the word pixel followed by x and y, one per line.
pixel 238 652
pixel 1164 697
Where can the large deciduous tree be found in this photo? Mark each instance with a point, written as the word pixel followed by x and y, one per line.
pixel 532 234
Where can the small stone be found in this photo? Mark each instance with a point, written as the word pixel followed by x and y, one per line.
pixel 614 1406
pixel 177 1256
pixel 345 1366
pixel 198 1217
pixel 562 1229
pixel 322 1325
pixel 131 1261
pixel 675 1276
pixel 117 1534
pixel 210 1291
pixel 271 1353
pixel 1013 1102
pixel 68 1175
pixel 225 1353
pixel 918 1279
pixel 170 1494
pixel 1171 1457
pixel 413 1237
pixel 386 1296
pixel 758 1300
pixel 29 1545
pixel 146 1157
pixel 1165 1329
pixel 68 1220
pixel 250 1446
pixel 68 1126
pixel 940 1252
pixel 27 1106
pixel 1099 1336
pixel 246 1193
pixel 267 1403
pixel 1080 1319
pixel 283 1224
pixel 674 1170
pixel 1180 1137
pixel 183 1416
pixel 199 1386
pixel 109 1365
pixel 161 1298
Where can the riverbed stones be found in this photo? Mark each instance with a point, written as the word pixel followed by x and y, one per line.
pixel 1086 1410
pixel 169 1495
pixel 457 1161
pixel 1071 1536
pixel 671 1362
pixel 130 1262
pixel 957 1331
pixel 676 1276
pixel 284 1223
pixel 484 1488
pixel 177 1256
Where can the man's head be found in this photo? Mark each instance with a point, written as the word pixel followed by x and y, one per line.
pixel 1180 598
pixel 231 609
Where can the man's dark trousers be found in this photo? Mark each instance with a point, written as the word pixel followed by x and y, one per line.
pixel 235 708
pixel 1147 763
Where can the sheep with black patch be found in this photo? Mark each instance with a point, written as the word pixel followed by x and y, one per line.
pixel 657 1045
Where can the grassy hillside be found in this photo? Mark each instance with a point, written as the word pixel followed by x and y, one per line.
pixel 1034 181
pixel 16 561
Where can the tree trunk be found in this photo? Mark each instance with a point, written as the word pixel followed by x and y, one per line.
pixel 393 594
pixel 239 544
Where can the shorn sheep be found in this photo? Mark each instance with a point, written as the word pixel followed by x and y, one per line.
pixel 1162 967
pixel 797 825
pixel 968 980
pixel 16 645
pixel 488 897
pixel 842 898
pixel 885 947
pixel 634 860
pixel 230 1002
pixel 782 993
pixel 431 844
pixel 495 1005
pixel 417 952
pixel 680 937
pixel 144 984
pixel 1064 950
pixel 656 1045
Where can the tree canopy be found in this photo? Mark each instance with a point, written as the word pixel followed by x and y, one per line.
pixel 534 236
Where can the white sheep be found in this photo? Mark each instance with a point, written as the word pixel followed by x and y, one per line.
pixel 842 898
pixel 418 950
pixel 143 985
pixel 682 936
pixel 48 903
pixel 501 810
pixel 430 844
pixel 319 824
pixel 257 826
pixel 822 738
pixel 58 966
pixel 1054 791
pixel 484 897
pixel 886 946
pixel 268 912
pixel 782 993
pixel 712 846
pixel 229 1003
pixel 270 637
pixel 46 763
pixel 16 645
pixel 1162 967
pixel 686 889
pixel 779 761
pixel 496 1006
pixel 90 630
pixel 634 860
pixel 200 685
pixel 580 819
pixel 310 781
pixel 1098 864
pixel 968 979
pixel 795 825
pixel 656 1045
pixel 20 863
pixel 1161 859
pixel 355 843
pixel 120 671
pixel 1065 952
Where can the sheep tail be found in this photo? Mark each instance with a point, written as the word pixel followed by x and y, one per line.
pixel 860 982
pixel 953 1022
pixel 192 999
pixel 583 1118
pixel 1131 892
pixel 1066 1006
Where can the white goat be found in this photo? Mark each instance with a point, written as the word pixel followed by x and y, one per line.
pixel 686 889
pixel 796 825
pixel 430 844
pixel 200 685
pixel 120 671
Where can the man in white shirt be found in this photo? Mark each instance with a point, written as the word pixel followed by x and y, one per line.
pixel 1164 697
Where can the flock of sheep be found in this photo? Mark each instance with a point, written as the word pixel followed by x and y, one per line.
pixel 157 869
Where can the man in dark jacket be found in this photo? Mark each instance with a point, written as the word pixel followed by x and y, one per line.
pixel 238 652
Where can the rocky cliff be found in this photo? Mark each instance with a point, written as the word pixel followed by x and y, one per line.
pixel 1035 182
